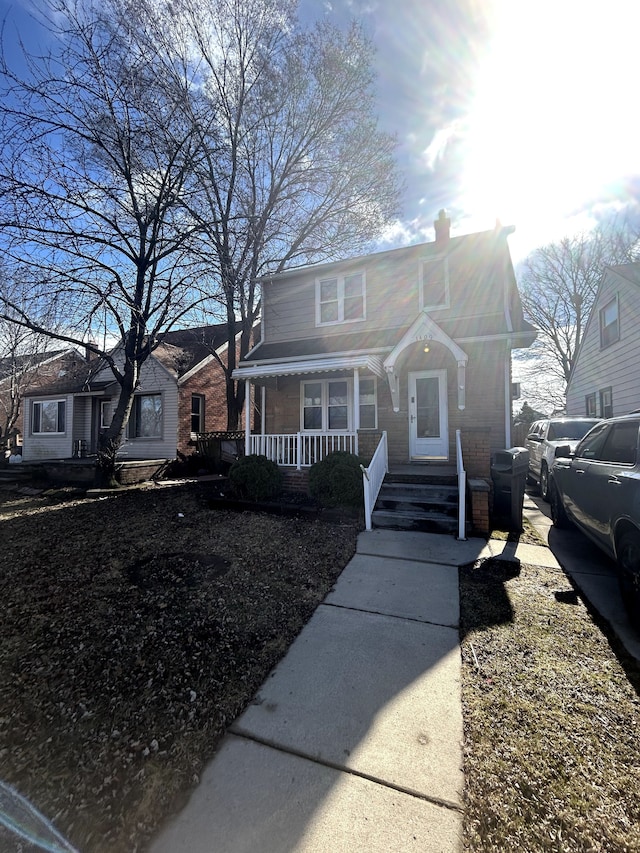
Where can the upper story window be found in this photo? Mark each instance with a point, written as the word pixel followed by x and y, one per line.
pixel 146 416
pixel 340 299
pixel 609 323
pixel 434 283
pixel 197 413
pixel 48 416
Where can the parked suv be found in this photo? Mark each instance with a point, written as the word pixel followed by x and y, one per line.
pixel 543 438
pixel 598 488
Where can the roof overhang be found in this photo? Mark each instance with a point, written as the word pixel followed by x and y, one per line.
pixel 326 364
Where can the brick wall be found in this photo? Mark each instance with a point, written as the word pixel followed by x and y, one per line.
pixel 476 451
pixel 209 381
pixel 295 481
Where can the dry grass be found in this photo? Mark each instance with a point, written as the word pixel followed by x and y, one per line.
pixel 552 718
pixel 135 628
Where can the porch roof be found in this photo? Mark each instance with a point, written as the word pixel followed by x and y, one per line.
pixel 290 367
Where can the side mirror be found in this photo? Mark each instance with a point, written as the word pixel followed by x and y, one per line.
pixel 563 450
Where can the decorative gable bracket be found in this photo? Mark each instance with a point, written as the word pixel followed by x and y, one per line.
pixel 424 329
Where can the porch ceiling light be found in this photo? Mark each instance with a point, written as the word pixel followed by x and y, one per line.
pixel 426 348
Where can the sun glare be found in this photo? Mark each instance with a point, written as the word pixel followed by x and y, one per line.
pixel 554 119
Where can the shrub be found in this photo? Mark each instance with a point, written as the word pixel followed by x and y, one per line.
pixel 337 480
pixel 255 477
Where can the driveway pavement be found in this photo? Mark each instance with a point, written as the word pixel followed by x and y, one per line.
pixel 593 573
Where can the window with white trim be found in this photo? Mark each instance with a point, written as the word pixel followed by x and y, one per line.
pixel 368 404
pixel 590 405
pixel 48 417
pixel 146 416
pixel 606 402
pixel 327 405
pixel 434 283
pixel 609 325
pixel 197 413
pixel 106 414
pixel 340 299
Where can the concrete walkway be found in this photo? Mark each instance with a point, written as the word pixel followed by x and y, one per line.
pixel 354 742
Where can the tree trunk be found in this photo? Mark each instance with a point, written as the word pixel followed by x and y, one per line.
pixel 111 439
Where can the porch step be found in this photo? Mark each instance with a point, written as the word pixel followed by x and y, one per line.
pixel 413 503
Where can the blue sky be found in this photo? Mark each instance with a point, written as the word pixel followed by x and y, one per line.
pixel 518 110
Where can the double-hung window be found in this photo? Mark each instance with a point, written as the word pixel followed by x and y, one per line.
pixel 197 413
pixel 609 323
pixel 105 414
pixel 327 405
pixel 48 416
pixel 146 416
pixel 340 299
pixel 434 283
pixel 606 402
pixel 590 405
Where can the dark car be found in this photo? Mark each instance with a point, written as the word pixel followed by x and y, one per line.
pixel 598 489
pixel 543 438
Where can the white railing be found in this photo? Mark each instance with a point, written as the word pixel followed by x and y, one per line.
pixel 373 476
pixel 301 450
pixel 462 490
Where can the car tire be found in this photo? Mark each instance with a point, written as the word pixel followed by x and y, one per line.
pixel 544 482
pixel 558 515
pixel 628 552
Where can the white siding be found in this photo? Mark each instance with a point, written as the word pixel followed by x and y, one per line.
pixel 43 446
pixel 616 366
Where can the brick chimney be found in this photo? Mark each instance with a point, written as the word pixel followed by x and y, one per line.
pixel 443 227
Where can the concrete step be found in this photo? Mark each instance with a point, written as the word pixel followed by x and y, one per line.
pixel 426 522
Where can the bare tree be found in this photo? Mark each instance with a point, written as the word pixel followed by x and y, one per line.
pixel 558 283
pixel 96 165
pixel 22 354
pixel 295 168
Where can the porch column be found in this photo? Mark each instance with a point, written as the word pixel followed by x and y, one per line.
pixel 356 405
pixel 461 384
pixel 263 414
pixel 247 417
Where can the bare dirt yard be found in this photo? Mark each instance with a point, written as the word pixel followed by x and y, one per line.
pixel 135 628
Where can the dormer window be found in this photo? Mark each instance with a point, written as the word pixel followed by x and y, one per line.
pixel 434 283
pixel 340 299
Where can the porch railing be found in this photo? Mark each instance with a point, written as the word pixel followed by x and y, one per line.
pixel 462 490
pixel 301 450
pixel 373 476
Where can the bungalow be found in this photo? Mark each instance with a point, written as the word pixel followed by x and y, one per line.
pixel 181 393
pixel 23 373
pixel 413 342
pixel 605 380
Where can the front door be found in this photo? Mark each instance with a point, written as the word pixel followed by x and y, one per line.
pixel 428 422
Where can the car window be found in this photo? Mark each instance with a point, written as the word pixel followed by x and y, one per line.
pixel 590 446
pixel 621 444
pixel 569 429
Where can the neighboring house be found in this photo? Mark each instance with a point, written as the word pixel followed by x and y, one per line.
pixel 22 374
pixel 605 380
pixel 181 392
pixel 414 341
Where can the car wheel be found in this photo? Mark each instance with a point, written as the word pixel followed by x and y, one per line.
pixel 629 574
pixel 544 482
pixel 558 515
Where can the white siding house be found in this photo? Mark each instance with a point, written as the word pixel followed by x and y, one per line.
pixel 606 376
